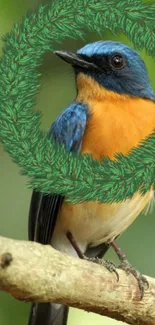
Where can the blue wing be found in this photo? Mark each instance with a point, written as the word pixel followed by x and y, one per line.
pixel 68 129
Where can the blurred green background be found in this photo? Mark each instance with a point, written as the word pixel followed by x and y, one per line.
pixel 57 91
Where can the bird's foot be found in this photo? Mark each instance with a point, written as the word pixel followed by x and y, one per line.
pixel 129 269
pixel 110 266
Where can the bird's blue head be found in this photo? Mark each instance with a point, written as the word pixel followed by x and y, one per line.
pixel 114 65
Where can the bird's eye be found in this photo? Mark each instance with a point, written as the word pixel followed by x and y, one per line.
pixel 117 61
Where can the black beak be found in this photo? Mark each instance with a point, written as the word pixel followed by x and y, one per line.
pixel 75 59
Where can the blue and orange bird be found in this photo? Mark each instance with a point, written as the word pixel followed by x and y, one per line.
pixel 113 111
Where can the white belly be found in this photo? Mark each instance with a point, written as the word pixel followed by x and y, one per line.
pixel 93 223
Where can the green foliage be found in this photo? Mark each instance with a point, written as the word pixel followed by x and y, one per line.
pixel 48 167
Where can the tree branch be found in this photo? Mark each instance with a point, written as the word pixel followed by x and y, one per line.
pixel 33 272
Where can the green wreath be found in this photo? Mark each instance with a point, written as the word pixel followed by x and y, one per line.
pixel 49 168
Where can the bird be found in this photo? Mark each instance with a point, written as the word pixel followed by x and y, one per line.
pixel 113 111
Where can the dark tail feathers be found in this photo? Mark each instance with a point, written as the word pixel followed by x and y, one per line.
pixel 48 314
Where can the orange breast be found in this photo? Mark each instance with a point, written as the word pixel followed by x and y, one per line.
pixel 118 122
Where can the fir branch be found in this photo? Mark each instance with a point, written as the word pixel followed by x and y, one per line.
pixel 36 155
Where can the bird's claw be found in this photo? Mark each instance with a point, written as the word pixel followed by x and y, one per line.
pixel 142 281
pixel 110 266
